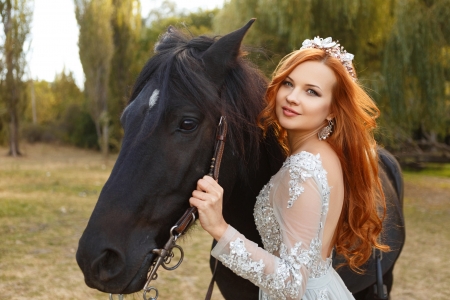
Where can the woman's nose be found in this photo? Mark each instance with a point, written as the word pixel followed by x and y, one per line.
pixel 292 98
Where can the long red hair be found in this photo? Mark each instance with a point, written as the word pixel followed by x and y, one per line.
pixel 352 139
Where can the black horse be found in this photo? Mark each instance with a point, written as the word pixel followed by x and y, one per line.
pixel 169 127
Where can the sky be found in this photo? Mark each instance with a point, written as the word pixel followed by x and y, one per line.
pixel 54 35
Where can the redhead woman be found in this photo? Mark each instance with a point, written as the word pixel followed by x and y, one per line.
pixel 325 196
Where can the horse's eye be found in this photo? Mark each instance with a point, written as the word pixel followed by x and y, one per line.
pixel 188 125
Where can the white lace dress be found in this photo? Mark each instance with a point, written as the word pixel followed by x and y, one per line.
pixel 290 215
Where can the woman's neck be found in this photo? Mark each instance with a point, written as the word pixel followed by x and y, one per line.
pixel 300 141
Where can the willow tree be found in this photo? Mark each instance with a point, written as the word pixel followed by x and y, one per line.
pixel 193 23
pixel 416 68
pixel 360 25
pixel 16 18
pixel 96 48
pixel 126 25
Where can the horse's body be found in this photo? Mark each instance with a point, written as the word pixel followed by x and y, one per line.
pixel 169 135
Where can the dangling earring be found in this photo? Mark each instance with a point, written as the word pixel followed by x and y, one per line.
pixel 326 131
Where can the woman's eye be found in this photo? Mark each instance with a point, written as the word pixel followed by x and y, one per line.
pixel 188 125
pixel 288 83
pixel 312 92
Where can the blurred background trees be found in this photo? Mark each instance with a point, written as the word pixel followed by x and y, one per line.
pixel 16 18
pixel 96 51
pixel 401 47
pixel 415 97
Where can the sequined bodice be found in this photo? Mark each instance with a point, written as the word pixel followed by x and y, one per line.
pixel 301 166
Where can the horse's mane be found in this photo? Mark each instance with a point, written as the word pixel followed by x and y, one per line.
pixel 178 71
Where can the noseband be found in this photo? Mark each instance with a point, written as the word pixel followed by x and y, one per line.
pixel 165 255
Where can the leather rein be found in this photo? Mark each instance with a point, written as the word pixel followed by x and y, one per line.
pixel 164 256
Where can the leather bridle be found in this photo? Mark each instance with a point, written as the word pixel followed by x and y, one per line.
pixel 164 256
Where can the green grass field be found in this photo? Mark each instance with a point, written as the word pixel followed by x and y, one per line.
pixel 46 198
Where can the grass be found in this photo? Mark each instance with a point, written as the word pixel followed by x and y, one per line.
pixel 421 272
pixel 47 196
pixel 432 169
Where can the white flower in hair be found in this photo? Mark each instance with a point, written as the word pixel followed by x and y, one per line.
pixel 333 49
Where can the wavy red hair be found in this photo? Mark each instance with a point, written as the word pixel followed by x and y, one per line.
pixel 352 139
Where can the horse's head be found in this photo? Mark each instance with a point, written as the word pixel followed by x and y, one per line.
pixel 169 129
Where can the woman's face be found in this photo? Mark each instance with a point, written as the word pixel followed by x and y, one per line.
pixel 304 99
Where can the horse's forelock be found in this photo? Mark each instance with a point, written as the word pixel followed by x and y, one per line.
pixel 178 72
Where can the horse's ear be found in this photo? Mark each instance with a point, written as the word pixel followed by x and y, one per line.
pixel 224 53
pixel 170 29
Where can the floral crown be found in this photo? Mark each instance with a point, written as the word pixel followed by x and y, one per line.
pixel 333 49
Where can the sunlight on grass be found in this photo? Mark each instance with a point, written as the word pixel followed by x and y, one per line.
pixel 47 196
pixel 431 169
pixel 420 273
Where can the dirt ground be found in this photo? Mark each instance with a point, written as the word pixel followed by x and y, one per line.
pixel 46 198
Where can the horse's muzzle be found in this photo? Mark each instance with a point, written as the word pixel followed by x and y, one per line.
pixel 109 272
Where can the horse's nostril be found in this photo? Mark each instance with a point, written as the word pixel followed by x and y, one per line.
pixel 108 265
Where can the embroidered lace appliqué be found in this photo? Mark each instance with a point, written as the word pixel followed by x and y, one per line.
pixel 301 167
pixel 323 295
pixel 279 287
pixel 240 262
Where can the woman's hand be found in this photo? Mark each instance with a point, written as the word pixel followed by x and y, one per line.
pixel 208 199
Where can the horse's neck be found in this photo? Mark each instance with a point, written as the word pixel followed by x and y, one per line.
pixel 239 210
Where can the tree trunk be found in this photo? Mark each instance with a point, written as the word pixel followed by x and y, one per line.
pixel 105 140
pixel 13 135
pixel 33 103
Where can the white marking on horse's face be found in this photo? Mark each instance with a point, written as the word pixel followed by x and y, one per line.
pixel 153 98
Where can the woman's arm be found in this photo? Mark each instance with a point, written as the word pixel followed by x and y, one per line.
pixel 283 276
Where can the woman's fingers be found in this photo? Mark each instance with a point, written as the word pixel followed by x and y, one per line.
pixel 195 202
pixel 209 185
pixel 203 196
pixel 208 200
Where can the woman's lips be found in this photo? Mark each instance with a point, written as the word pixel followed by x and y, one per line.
pixel 289 112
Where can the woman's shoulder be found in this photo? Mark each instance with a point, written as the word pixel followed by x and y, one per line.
pixel 321 156
pixel 322 152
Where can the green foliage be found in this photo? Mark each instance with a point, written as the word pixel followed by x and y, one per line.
pixel 96 51
pixel 47 133
pixel 360 25
pixel 416 67
pixel 431 169
pixel 195 23
pixel 16 18
pixel 46 108
pixel 79 127
pixel 126 24
pixel 61 114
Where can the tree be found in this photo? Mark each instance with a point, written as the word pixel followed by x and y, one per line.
pixel 46 108
pixel 126 24
pixel 361 26
pixel 96 50
pixel 16 17
pixel 194 23
pixel 61 114
pixel 66 93
pixel 416 69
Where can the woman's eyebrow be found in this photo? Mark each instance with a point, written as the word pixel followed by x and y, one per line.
pixel 314 86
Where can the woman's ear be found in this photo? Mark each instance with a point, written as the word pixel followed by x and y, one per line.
pixel 330 117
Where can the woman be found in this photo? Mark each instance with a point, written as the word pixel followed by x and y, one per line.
pixel 325 195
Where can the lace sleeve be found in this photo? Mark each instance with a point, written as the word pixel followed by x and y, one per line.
pixel 295 202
